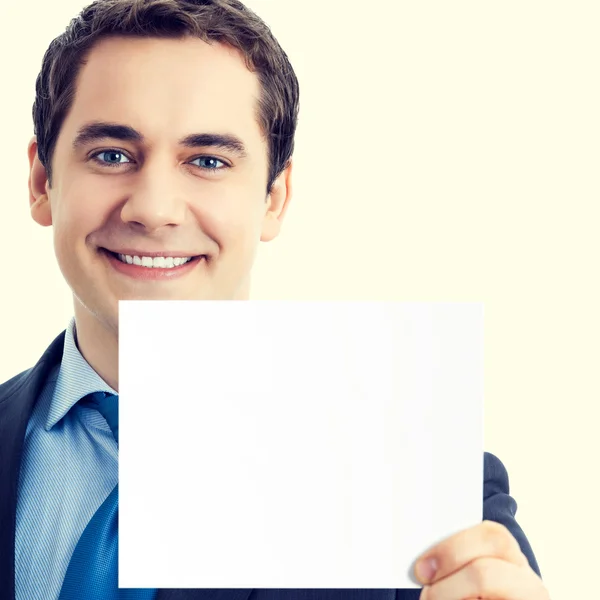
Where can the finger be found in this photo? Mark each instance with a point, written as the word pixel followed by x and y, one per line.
pixel 488 579
pixel 487 539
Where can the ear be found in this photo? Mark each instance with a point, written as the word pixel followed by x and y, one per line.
pixel 278 201
pixel 39 202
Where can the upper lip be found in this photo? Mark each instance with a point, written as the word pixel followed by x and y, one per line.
pixel 166 253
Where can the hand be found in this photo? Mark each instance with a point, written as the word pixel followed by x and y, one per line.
pixel 484 562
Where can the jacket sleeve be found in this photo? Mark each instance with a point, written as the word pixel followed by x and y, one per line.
pixel 499 506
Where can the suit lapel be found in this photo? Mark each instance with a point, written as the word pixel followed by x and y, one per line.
pixel 17 399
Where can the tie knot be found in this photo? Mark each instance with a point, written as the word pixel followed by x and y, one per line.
pixel 108 406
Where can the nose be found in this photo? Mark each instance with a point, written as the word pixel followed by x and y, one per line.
pixel 155 201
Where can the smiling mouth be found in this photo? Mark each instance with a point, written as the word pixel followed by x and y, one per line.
pixel 154 262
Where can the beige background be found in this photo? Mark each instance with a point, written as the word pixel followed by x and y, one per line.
pixel 446 151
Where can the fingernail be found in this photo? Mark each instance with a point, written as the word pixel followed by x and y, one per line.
pixel 427 568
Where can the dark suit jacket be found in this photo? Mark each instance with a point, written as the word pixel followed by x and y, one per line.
pixel 17 399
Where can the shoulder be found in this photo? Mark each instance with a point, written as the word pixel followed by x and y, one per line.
pixel 500 506
pixel 495 476
pixel 31 380
pixel 14 384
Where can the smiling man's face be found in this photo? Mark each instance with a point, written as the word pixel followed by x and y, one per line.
pixel 160 154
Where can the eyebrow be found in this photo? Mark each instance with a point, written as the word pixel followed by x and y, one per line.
pixel 96 131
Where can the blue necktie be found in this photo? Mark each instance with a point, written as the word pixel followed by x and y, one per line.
pixel 92 571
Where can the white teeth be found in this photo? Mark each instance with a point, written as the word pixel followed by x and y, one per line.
pixel 159 262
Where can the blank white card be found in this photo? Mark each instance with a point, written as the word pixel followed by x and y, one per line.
pixel 295 444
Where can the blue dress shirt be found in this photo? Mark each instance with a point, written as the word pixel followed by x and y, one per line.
pixel 70 466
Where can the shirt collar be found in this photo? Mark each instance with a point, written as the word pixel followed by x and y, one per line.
pixel 76 379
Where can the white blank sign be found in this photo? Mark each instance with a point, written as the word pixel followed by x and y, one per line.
pixel 295 444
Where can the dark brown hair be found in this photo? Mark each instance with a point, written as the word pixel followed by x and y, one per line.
pixel 225 21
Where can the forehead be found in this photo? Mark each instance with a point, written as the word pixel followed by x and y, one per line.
pixel 167 88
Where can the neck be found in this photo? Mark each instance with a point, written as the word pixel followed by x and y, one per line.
pixel 98 343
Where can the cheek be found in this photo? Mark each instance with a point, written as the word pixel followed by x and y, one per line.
pixel 235 222
pixel 74 217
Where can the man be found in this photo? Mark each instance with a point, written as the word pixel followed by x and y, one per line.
pixel 164 132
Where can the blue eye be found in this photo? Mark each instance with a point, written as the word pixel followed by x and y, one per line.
pixel 210 163
pixel 113 157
